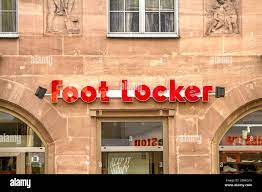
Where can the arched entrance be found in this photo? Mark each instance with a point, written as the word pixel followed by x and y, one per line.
pixel 22 151
pixel 240 150
pixel 232 140
pixel 222 114
pixel 40 116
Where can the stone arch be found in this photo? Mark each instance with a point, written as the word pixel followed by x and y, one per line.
pixel 40 115
pixel 223 113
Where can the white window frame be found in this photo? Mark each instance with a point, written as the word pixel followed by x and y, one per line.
pixel 11 34
pixel 142 33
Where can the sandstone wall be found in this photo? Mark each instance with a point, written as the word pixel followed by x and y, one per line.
pixel 91 57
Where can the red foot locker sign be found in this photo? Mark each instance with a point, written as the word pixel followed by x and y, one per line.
pixel 171 93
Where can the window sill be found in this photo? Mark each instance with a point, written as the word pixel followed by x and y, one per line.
pixel 142 35
pixel 9 35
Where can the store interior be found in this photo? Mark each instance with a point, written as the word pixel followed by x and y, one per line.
pixel 241 147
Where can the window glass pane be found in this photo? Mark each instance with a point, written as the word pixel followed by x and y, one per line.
pixel 7 165
pixel 167 5
pixel 132 134
pixel 8 4
pixel 132 5
pixel 244 162
pixel 167 22
pixel 132 163
pixel 152 5
pixel 0 20
pixel 35 163
pixel 8 22
pixel 246 132
pixel 132 22
pixel 116 22
pixel 152 22
pixel 128 163
pixel 15 133
pixel 117 5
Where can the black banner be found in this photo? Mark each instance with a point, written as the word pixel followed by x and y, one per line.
pixel 221 183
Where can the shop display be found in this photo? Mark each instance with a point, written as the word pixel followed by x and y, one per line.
pixel 244 162
pixel 244 141
pixel 21 141
pixel 132 147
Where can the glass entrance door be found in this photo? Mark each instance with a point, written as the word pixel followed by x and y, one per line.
pixel 21 162
pixel 132 147
pixel 7 164
pixel 132 162
pixel 21 149
pixel 240 150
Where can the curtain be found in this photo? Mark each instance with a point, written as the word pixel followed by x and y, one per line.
pixel 132 22
pixel 116 5
pixel 152 5
pixel 0 16
pixel 8 15
pixel 116 18
pixel 167 22
pixel 166 17
pixel 116 22
pixel 159 15
pixel 132 18
pixel 152 22
pixel 152 18
pixel 132 5
pixel 167 5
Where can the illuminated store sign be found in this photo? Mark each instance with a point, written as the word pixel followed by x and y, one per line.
pixel 142 93
pixel 88 94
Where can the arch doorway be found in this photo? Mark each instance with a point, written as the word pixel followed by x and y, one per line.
pixel 240 150
pixel 22 151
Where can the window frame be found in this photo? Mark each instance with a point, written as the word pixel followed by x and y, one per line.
pixel 12 34
pixel 142 33
pixel 101 149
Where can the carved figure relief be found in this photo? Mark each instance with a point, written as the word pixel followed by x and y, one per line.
pixel 63 16
pixel 222 17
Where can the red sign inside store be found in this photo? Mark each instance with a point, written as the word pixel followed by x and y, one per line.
pixel 171 93
pixel 148 142
pixel 238 140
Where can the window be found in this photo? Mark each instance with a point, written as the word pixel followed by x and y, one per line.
pixel 21 149
pixel 240 150
pixel 132 147
pixel 8 18
pixel 143 18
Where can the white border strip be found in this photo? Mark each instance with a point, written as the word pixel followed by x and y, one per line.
pixel 130 148
pixel 240 148
pixel 130 93
pixel 22 149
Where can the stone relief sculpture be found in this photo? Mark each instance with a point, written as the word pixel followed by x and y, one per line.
pixel 222 17
pixel 63 16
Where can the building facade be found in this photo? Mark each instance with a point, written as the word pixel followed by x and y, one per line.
pixel 83 42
